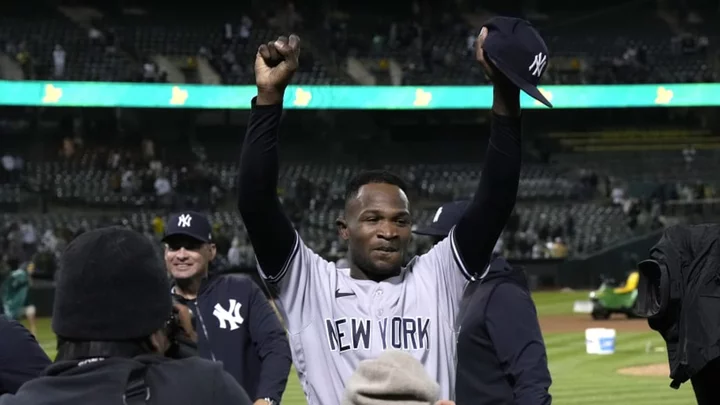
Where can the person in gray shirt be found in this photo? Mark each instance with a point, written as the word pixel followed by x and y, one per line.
pixel 338 317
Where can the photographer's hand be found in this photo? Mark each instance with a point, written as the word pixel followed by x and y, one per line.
pixel 185 320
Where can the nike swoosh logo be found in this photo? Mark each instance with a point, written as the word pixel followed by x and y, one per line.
pixel 339 294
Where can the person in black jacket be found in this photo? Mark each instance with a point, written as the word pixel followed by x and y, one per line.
pixel 500 349
pixel 234 321
pixel 678 292
pixel 115 323
pixel 21 357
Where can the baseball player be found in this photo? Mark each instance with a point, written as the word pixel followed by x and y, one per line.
pixel 234 322
pixel 338 317
pixel 14 293
pixel 501 354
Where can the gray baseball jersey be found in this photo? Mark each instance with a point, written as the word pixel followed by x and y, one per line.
pixel 334 321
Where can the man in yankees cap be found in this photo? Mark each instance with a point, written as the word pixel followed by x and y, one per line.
pixel 338 317
pixel 232 318
pixel 501 353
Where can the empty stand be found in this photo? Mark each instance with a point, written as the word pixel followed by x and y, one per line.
pixel 640 46
pixel 638 140
pixel 185 34
pixel 39 29
pixel 313 195
pixel 596 225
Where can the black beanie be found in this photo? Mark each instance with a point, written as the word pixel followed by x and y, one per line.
pixel 111 286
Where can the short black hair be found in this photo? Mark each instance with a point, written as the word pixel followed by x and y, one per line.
pixel 373 177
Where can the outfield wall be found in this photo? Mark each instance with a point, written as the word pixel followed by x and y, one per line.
pixel 547 274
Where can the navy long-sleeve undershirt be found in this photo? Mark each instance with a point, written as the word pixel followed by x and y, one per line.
pixel 272 233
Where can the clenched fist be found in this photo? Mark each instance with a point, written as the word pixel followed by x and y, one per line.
pixel 275 65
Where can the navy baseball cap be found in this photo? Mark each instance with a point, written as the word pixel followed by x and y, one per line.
pixel 445 218
pixel 189 223
pixel 515 47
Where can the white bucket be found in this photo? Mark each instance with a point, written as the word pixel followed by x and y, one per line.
pixel 600 341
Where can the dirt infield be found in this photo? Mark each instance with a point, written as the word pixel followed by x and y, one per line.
pixel 650 370
pixel 580 322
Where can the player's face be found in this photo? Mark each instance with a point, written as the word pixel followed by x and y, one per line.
pixel 378 228
pixel 187 257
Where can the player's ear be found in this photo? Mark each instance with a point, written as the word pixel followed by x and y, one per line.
pixel 342 228
pixel 213 251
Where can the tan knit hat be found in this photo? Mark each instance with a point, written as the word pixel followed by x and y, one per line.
pixel 395 378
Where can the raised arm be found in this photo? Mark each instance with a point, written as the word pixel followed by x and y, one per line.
pixel 271 232
pixel 477 231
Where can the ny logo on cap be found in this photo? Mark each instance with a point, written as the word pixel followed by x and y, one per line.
pixel 184 221
pixel 536 68
pixel 437 214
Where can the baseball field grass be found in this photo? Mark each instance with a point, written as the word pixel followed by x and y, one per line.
pixel 578 378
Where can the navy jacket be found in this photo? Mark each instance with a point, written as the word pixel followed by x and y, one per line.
pixel 500 349
pixel 21 357
pixel 192 381
pixel 236 325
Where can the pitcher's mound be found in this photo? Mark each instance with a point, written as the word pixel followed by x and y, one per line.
pixel 650 370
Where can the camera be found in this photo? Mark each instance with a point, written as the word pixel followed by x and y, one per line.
pixel 182 342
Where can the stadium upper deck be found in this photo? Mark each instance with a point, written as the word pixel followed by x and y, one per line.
pixel 408 44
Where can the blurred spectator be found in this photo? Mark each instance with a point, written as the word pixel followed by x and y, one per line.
pixel 158 227
pixel 10 173
pixel 163 190
pixel 558 249
pixel 29 236
pixel 234 254
pixel 58 57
